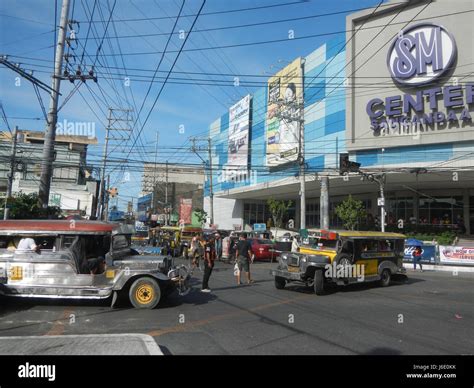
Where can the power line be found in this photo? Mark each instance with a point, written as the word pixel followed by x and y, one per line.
pixel 204 14
pixel 169 73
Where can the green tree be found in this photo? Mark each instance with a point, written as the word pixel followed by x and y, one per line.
pixel 201 215
pixel 279 210
pixel 26 206
pixel 350 211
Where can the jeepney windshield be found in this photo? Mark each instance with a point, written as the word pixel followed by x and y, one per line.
pixel 321 243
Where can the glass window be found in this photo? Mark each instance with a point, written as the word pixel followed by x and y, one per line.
pixel 120 242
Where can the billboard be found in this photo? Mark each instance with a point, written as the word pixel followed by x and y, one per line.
pixel 239 124
pixel 456 255
pixel 423 93
pixel 285 90
pixel 143 204
pixel 428 253
pixel 185 210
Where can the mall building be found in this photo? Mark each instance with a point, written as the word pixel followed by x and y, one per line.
pixel 396 94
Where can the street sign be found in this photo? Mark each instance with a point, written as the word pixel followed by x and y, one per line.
pixel 381 201
pixel 259 227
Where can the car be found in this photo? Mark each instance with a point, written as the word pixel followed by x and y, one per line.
pixel 341 258
pixel 83 260
pixel 263 249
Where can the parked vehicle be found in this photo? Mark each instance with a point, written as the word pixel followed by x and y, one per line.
pixel 263 249
pixel 82 260
pixel 342 257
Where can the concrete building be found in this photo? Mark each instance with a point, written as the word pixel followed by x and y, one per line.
pixel 397 96
pixel 72 188
pixel 176 186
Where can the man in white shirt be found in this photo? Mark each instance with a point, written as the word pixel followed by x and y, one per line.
pixel 27 244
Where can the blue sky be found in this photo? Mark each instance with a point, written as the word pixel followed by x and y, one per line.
pixel 27 30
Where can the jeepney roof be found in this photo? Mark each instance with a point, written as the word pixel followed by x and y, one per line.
pixel 358 233
pixel 54 227
pixel 175 228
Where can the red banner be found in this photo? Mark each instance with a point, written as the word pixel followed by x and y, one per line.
pixel 185 210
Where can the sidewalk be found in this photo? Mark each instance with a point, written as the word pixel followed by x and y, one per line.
pixel 84 345
pixel 442 267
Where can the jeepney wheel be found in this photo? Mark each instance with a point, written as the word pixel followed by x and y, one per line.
pixel 144 293
pixel 319 282
pixel 344 260
pixel 385 278
pixel 280 283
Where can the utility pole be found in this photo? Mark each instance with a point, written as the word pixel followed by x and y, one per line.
pixel 100 214
pixel 112 120
pixel 324 203
pixel 12 173
pixel 294 111
pixel 211 189
pixel 106 216
pixel 166 195
pixel 153 197
pixel 380 180
pixel 50 135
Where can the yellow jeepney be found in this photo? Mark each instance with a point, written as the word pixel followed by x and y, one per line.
pixel 170 240
pixel 342 257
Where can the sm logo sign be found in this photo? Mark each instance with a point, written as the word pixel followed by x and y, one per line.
pixel 421 53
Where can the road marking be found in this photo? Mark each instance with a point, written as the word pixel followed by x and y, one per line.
pixel 216 318
pixel 60 324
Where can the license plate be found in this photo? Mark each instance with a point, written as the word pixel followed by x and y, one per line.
pixel 293 269
pixel 16 273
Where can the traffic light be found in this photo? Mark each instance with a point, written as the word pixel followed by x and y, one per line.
pixel 345 165
pixel 113 191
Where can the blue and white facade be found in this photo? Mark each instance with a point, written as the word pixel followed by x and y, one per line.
pixel 355 103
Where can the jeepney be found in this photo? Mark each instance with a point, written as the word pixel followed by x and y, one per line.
pixel 83 260
pixel 341 258
pixel 169 240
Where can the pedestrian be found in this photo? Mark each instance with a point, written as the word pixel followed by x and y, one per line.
pixel 209 258
pixel 417 254
pixel 218 245
pixel 195 250
pixel 294 245
pixel 244 255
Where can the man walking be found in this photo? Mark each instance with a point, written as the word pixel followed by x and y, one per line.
pixel 209 258
pixel 218 246
pixel 244 253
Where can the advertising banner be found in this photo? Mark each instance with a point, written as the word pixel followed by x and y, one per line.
pixel 185 210
pixel 428 254
pixel 449 254
pixel 239 124
pixel 282 135
pixel 143 204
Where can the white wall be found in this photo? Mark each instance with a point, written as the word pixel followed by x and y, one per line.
pixel 227 212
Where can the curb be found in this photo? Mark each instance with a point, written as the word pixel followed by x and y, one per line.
pixel 443 268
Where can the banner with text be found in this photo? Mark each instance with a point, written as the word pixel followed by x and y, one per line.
pixel 285 90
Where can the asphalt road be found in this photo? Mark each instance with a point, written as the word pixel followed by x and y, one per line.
pixel 430 313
